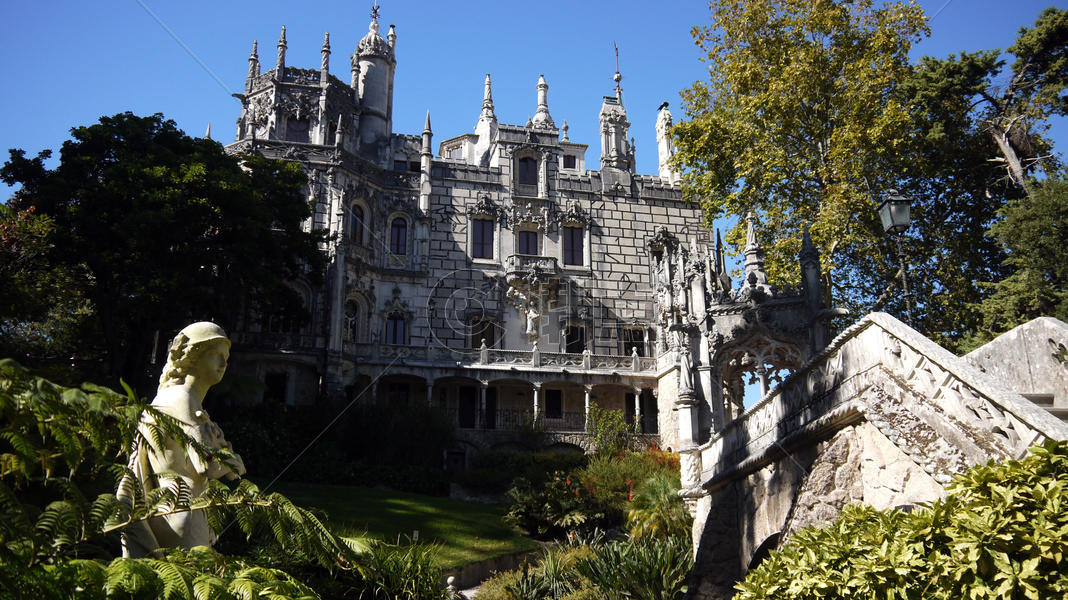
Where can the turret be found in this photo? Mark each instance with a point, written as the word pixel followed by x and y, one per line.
pixel 486 128
pixel 664 148
pixel 376 64
pixel 542 119
pixel 280 68
pixel 615 153
pixel 253 66
pixel 426 154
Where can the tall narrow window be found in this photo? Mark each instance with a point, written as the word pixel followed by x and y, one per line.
pixel 633 339
pixel 297 130
pixel 574 339
pixel 572 245
pixel 482 238
pixel 528 242
pixel 528 171
pixel 483 329
pixel 357 225
pixel 395 329
pixel 398 236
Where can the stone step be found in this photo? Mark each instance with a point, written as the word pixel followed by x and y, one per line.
pixel 1042 399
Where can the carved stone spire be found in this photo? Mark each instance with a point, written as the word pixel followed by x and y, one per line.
pixel 354 62
pixel 253 66
pixel 563 133
pixel 392 37
pixel 324 68
pixel 487 101
pixel 754 256
pixel 281 67
pixel 542 119
pixel 617 77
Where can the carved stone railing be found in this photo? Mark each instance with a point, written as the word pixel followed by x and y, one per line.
pixel 881 370
pixel 496 357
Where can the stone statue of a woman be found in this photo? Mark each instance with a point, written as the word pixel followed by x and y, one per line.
pixel 196 361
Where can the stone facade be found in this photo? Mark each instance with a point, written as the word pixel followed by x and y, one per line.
pixel 498 278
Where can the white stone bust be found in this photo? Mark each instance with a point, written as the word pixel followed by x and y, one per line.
pixel 196 361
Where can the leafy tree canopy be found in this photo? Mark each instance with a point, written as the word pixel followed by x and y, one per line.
pixel 157 229
pixel 799 119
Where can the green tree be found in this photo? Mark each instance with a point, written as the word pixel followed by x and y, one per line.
pixel 1000 533
pixel 1032 230
pixel 162 229
pixel 799 120
pixel 955 192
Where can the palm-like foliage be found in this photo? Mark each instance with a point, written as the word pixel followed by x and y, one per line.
pixel 64 450
pixel 640 569
pixel 657 510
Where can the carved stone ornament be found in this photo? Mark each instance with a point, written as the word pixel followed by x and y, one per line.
pixel 397 304
pixel 663 239
pixel 486 206
pixel 573 213
pixel 298 103
pixel 260 108
pixel 521 213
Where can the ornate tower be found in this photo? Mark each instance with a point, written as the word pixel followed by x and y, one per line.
pixel 615 151
pixel 376 67
pixel 664 148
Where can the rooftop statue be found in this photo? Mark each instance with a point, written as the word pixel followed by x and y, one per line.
pixel 196 361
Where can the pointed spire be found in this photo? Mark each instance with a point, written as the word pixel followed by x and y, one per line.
pixel 617 77
pixel 392 36
pixel 326 52
pixel 487 100
pixel 207 134
pixel 542 119
pixel 340 131
pixel 563 131
pixel 253 66
pixel 426 126
pixel 282 52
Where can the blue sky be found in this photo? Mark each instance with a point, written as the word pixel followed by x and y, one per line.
pixel 68 63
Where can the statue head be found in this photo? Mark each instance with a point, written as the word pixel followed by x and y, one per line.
pixel 188 350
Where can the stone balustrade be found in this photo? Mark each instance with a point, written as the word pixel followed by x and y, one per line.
pixel 493 357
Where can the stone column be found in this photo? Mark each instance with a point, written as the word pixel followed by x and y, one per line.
pixel 482 403
pixel 537 399
pixel 638 410
pixel 586 389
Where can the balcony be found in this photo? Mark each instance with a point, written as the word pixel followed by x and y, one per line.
pixel 521 420
pixel 529 272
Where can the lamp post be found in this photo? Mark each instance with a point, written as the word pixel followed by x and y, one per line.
pixel 894 214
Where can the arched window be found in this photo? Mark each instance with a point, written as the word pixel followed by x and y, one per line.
pixel 528 171
pixel 352 321
pixel 395 326
pixel 356 226
pixel 398 236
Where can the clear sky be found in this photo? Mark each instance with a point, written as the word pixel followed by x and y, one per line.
pixel 67 63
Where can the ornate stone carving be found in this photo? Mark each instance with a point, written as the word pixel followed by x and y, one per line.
pixel 484 205
pixel 573 213
pixel 299 104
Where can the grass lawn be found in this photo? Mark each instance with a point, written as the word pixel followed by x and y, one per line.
pixel 464 532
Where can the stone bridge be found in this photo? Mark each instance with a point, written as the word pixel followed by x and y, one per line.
pixel 882 416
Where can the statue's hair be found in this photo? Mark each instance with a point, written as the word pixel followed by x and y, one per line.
pixel 180 357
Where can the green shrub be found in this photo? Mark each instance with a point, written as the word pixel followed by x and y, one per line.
pixel 608 430
pixel 493 471
pixel 657 509
pixel 648 569
pixel 401 572
pixel 1001 532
